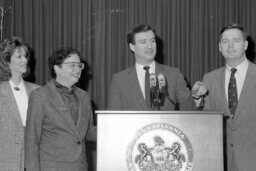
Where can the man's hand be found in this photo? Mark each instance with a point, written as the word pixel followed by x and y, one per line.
pixel 199 89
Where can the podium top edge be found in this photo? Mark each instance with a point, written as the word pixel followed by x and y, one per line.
pixel 159 112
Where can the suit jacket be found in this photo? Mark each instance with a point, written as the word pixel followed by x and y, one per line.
pixel 11 129
pixel 53 141
pixel 125 92
pixel 240 131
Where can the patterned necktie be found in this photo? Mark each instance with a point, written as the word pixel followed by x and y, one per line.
pixel 232 93
pixel 147 86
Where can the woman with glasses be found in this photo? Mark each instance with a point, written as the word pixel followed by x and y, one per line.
pixel 59 118
pixel 14 94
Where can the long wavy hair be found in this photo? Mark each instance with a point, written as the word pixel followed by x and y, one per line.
pixel 7 49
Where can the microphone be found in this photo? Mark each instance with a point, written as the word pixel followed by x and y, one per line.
pixel 161 82
pixel 162 86
pixel 152 81
pixel 153 90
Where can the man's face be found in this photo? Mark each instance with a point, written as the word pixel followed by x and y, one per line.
pixel 69 72
pixel 144 48
pixel 232 44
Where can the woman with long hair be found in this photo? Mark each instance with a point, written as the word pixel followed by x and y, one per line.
pixel 14 94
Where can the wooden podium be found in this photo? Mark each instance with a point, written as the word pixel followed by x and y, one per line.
pixel 159 141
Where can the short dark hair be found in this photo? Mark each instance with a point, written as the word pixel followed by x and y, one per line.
pixel 58 56
pixel 7 49
pixel 138 29
pixel 233 26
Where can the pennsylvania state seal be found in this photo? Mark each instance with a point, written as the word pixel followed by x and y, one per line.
pixel 159 147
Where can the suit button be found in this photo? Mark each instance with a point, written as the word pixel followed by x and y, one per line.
pixel 233 129
pixel 79 142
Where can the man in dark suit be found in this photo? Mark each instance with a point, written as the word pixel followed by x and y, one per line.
pixel 237 103
pixel 59 118
pixel 127 89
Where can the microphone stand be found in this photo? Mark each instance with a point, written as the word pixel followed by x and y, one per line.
pixel 164 94
pixel 156 104
pixel 154 93
pixel 163 91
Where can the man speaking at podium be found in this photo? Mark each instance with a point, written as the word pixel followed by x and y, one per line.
pixel 149 85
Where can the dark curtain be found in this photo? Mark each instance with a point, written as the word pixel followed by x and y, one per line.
pixel 188 32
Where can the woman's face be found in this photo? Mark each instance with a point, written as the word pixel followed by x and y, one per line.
pixel 18 62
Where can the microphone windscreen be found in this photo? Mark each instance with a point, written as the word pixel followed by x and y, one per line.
pixel 161 80
pixel 152 80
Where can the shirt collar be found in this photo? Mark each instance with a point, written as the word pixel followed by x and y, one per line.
pixel 21 85
pixel 240 68
pixel 64 89
pixel 152 66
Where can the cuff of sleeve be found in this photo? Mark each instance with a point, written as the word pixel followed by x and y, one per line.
pixel 196 98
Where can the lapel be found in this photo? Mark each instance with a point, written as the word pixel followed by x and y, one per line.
pixel 28 88
pixel 223 98
pixel 10 101
pixel 82 110
pixel 248 87
pixel 158 69
pixel 135 89
pixel 60 106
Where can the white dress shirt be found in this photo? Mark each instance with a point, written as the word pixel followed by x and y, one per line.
pixel 141 74
pixel 21 99
pixel 239 75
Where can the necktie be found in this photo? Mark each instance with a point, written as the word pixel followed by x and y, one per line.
pixel 232 93
pixel 147 86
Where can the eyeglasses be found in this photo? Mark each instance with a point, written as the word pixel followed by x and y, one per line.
pixel 72 65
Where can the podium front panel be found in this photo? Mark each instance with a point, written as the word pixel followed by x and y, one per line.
pixel 159 141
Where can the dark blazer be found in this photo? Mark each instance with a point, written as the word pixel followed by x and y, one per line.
pixel 241 131
pixel 11 129
pixel 125 92
pixel 53 141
